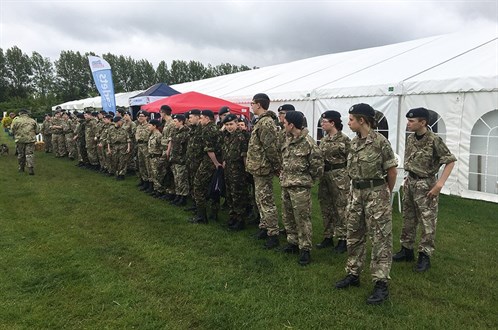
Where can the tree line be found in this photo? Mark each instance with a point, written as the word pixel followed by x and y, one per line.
pixel 34 82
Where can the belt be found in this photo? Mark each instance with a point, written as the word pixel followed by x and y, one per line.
pixel 366 183
pixel 416 177
pixel 334 166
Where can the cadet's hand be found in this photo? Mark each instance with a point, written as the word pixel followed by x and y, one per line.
pixel 434 192
pixel 128 150
pixel 224 164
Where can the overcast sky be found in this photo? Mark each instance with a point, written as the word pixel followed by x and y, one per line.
pixel 253 33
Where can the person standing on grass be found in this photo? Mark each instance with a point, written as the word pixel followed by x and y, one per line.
pixel 25 129
pixel 302 164
pixel 142 135
pixel 46 133
pixel 333 191
pixel 155 151
pixel 178 158
pixel 264 162
pixel 425 152
pixel 118 147
pixel 371 161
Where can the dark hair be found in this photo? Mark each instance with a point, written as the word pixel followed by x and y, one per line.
pixel 262 99
pixel 370 120
pixel 337 123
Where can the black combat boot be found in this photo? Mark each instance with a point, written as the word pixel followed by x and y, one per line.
pixel 291 249
pixel 182 201
pixel 200 217
pixel 262 233
pixel 380 293
pixel 404 255
pixel 327 241
pixel 141 183
pixel 213 216
pixel 31 171
pixel 238 225
pixel 341 247
pixel 349 280
pixel 304 258
pixel 423 263
pixel 145 186
pixel 175 200
pixel 271 242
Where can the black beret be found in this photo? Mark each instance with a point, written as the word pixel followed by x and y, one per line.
pixel 261 96
pixel 155 122
pixel 362 109
pixel 23 111
pixel 180 117
pixel 127 113
pixel 121 111
pixel 111 113
pixel 331 114
pixel 296 118
pixel 116 119
pixel 95 113
pixel 166 109
pixel 194 112
pixel 108 116
pixel 80 115
pixel 418 113
pixel 103 112
pixel 229 117
pixel 223 110
pixel 48 114
pixel 286 107
pixel 142 112
pixel 58 107
pixel 207 113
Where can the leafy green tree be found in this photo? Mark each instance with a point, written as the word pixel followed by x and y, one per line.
pixel 144 74
pixel 4 84
pixel 162 73
pixel 18 72
pixel 74 76
pixel 43 79
pixel 179 72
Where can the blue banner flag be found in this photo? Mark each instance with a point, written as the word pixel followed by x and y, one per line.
pixel 102 75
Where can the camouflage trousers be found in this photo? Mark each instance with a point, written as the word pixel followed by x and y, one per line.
pixel 236 193
pixel 132 157
pixel 26 154
pixel 47 139
pixel 142 155
pixel 156 165
pixel 59 145
pixel 70 145
pixel 181 179
pixel 419 209
pixel 91 151
pixel 370 215
pixel 202 180
pixel 167 180
pixel 192 167
pixel 118 158
pixel 263 190
pixel 81 149
pixel 333 193
pixel 296 205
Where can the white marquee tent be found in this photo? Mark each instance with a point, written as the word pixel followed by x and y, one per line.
pixel 96 102
pixel 454 75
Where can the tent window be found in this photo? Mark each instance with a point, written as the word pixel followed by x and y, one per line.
pixel 483 161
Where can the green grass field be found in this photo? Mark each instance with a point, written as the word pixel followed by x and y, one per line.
pixel 82 251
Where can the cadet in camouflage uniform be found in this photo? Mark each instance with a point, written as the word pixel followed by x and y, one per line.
pixel 263 162
pixel 118 147
pixel 195 148
pixel 142 134
pixel 47 133
pixel 67 130
pixel 167 185
pixel 370 161
pixel 282 110
pixel 24 130
pixel 211 141
pixel 333 191
pixel 99 134
pixel 425 152
pixel 102 137
pixel 155 150
pixel 178 159
pixel 58 142
pixel 302 164
pixel 234 152
pixel 79 138
pixel 91 138
pixel 130 126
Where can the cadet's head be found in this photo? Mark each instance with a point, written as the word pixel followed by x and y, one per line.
pixel 24 112
pixel 107 119
pixel 207 116
pixel 230 122
pixel 179 120
pixel 260 103
pixel 166 110
pixel 361 114
pixel 282 110
pixel 142 116
pixel 194 116
pixel 118 121
pixel 154 124
pixel 223 112
pixel 331 119
pixel 242 124
pixel 293 121
pixel 417 118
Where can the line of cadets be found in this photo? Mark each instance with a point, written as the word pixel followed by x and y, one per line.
pixel 177 156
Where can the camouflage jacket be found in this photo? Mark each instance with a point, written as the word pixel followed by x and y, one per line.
pixel 263 153
pixel 302 161
pixel 104 134
pixel 179 141
pixel 369 158
pixel 90 130
pixel 168 128
pixel 131 128
pixel 46 127
pixel 117 135
pixel 211 139
pixel 195 148
pixel 235 146
pixel 80 130
pixel 335 149
pixel 154 146
pixel 56 122
pixel 142 133
pixel 67 127
pixel 24 129
pixel 424 157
